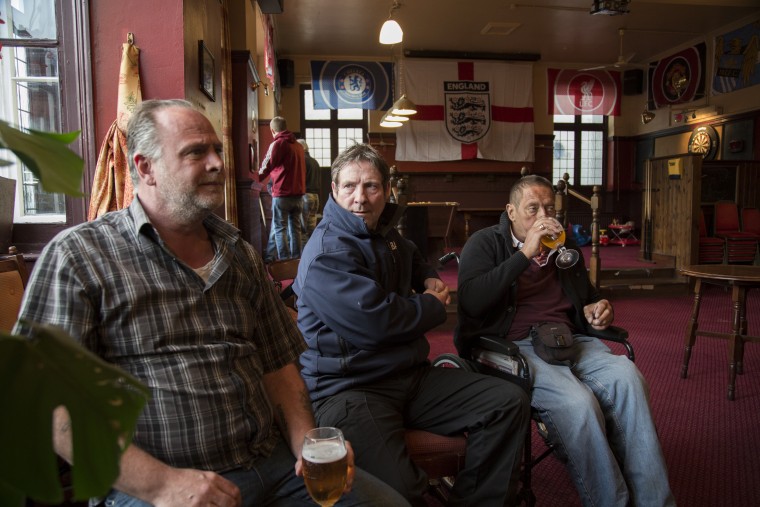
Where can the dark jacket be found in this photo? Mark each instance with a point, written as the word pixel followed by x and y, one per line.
pixel 487 285
pixel 286 162
pixel 313 180
pixel 361 306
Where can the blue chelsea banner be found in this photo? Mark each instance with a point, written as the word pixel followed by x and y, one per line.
pixel 352 85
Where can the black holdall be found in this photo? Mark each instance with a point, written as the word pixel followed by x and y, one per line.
pixel 552 342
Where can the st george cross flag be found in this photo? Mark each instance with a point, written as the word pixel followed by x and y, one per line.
pixel 577 92
pixel 467 110
pixel 352 85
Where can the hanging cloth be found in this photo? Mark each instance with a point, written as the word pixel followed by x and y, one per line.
pixel 112 186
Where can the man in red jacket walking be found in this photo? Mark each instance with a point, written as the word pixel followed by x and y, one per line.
pixel 286 163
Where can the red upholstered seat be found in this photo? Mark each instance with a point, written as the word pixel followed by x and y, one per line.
pixel 711 249
pixel 741 247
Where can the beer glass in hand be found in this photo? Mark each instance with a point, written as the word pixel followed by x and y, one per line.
pixel 324 465
pixel 566 257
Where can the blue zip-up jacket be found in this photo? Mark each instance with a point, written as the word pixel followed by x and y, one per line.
pixel 361 306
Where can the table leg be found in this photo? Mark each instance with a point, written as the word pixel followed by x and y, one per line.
pixel 467 217
pixel 691 329
pixel 735 342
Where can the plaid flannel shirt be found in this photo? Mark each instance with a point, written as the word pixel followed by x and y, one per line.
pixel 201 347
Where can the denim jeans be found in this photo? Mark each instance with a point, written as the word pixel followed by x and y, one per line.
pixel 272 481
pixel 286 222
pixel 598 416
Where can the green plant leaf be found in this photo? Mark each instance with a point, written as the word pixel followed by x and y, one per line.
pixel 48 156
pixel 40 373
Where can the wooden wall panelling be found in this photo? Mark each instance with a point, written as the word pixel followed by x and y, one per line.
pixel 675 209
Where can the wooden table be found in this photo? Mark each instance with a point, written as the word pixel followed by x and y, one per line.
pixel 469 212
pixel 739 278
pixel 439 204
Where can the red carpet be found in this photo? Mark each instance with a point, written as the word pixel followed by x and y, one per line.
pixel 711 445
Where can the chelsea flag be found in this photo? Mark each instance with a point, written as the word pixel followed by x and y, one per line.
pixel 352 85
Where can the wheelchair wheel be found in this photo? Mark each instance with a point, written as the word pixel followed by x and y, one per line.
pixel 452 361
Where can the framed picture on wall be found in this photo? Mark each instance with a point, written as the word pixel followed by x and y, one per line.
pixel 206 70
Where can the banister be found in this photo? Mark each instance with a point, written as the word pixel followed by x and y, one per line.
pixel 562 191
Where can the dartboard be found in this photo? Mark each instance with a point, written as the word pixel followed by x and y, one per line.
pixel 704 141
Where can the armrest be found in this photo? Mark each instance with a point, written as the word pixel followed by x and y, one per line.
pixel 615 334
pixel 496 344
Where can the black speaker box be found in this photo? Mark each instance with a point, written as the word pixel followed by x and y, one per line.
pixel 633 82
pixel 287 73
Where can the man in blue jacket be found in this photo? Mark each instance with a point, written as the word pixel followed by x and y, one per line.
pixel 365 299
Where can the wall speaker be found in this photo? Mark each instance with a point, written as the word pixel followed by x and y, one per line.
pixel 287 72
pixel 633 82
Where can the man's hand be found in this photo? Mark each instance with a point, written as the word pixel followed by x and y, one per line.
pixel 187 488
pixel 349 464
pixel 599 314
pixel 437 288
pixel 544 226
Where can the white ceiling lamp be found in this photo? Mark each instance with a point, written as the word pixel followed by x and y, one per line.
pixel 395 117
pixel 391 32
pixel 385 122
pixel 403 107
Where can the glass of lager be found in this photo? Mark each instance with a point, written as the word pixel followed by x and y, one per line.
pixel 324 465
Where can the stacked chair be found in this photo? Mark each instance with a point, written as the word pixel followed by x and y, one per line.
pixel 711 249
pixel 751 220
pixel 741 246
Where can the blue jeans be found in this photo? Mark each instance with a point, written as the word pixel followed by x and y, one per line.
pixel 598 416
pixel 272 481
pixel 286 223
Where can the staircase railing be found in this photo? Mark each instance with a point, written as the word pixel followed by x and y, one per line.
pixel 563 192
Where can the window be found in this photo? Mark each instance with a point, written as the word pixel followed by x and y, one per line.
pixel 38 92
pixel 579 148
pixel 328 132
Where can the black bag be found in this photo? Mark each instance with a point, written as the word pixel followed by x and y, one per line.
pixel 552 342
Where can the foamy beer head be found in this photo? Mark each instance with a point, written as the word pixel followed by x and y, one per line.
pixel 325 465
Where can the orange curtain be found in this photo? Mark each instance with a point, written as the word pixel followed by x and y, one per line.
pixel 112 187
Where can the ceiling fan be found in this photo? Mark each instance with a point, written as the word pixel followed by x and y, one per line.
pixel 622 61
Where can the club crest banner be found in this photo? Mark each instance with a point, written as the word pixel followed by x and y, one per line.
pixel 679 78
pixel 352 85
pixel 736 59
pixel 467 110
pixel 577 92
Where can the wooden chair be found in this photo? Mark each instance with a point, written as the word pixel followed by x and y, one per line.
pixel 740 246
pixel 711 249
pixel 283 273
pixel 13 279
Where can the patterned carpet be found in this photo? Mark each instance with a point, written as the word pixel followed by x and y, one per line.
pixel 711 445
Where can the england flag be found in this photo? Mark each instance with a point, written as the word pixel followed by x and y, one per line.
pixel 467 110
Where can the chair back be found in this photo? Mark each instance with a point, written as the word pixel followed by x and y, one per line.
pixel 13 278
pixel 751 220
pixel 726 216
pixel 283 273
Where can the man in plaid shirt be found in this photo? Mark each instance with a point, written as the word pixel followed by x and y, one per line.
pixel 168 291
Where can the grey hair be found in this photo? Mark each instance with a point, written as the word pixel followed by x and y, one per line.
pixel 360 153
pixel 142 132
pixel 531 180
pixel 278 124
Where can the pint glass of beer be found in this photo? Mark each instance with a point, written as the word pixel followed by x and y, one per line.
pixel 324 465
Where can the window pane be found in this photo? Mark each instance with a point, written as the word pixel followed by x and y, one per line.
pixel 350 114
pixel 31 99
pixel 28 19
pixel 592 149
pixel 564 118
pixel 349 137
pixel 313 114
pixel 592 118
pixel 564 155
pixel 319 145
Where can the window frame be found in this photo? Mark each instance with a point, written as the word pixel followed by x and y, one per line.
pixel 76 95
pixel 578 128
pixel 334 124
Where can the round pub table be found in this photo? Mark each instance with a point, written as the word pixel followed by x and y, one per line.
pixel 739 278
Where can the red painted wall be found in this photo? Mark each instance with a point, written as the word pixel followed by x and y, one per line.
pixel 158 30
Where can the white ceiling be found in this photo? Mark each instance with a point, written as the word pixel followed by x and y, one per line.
pixel 560 31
